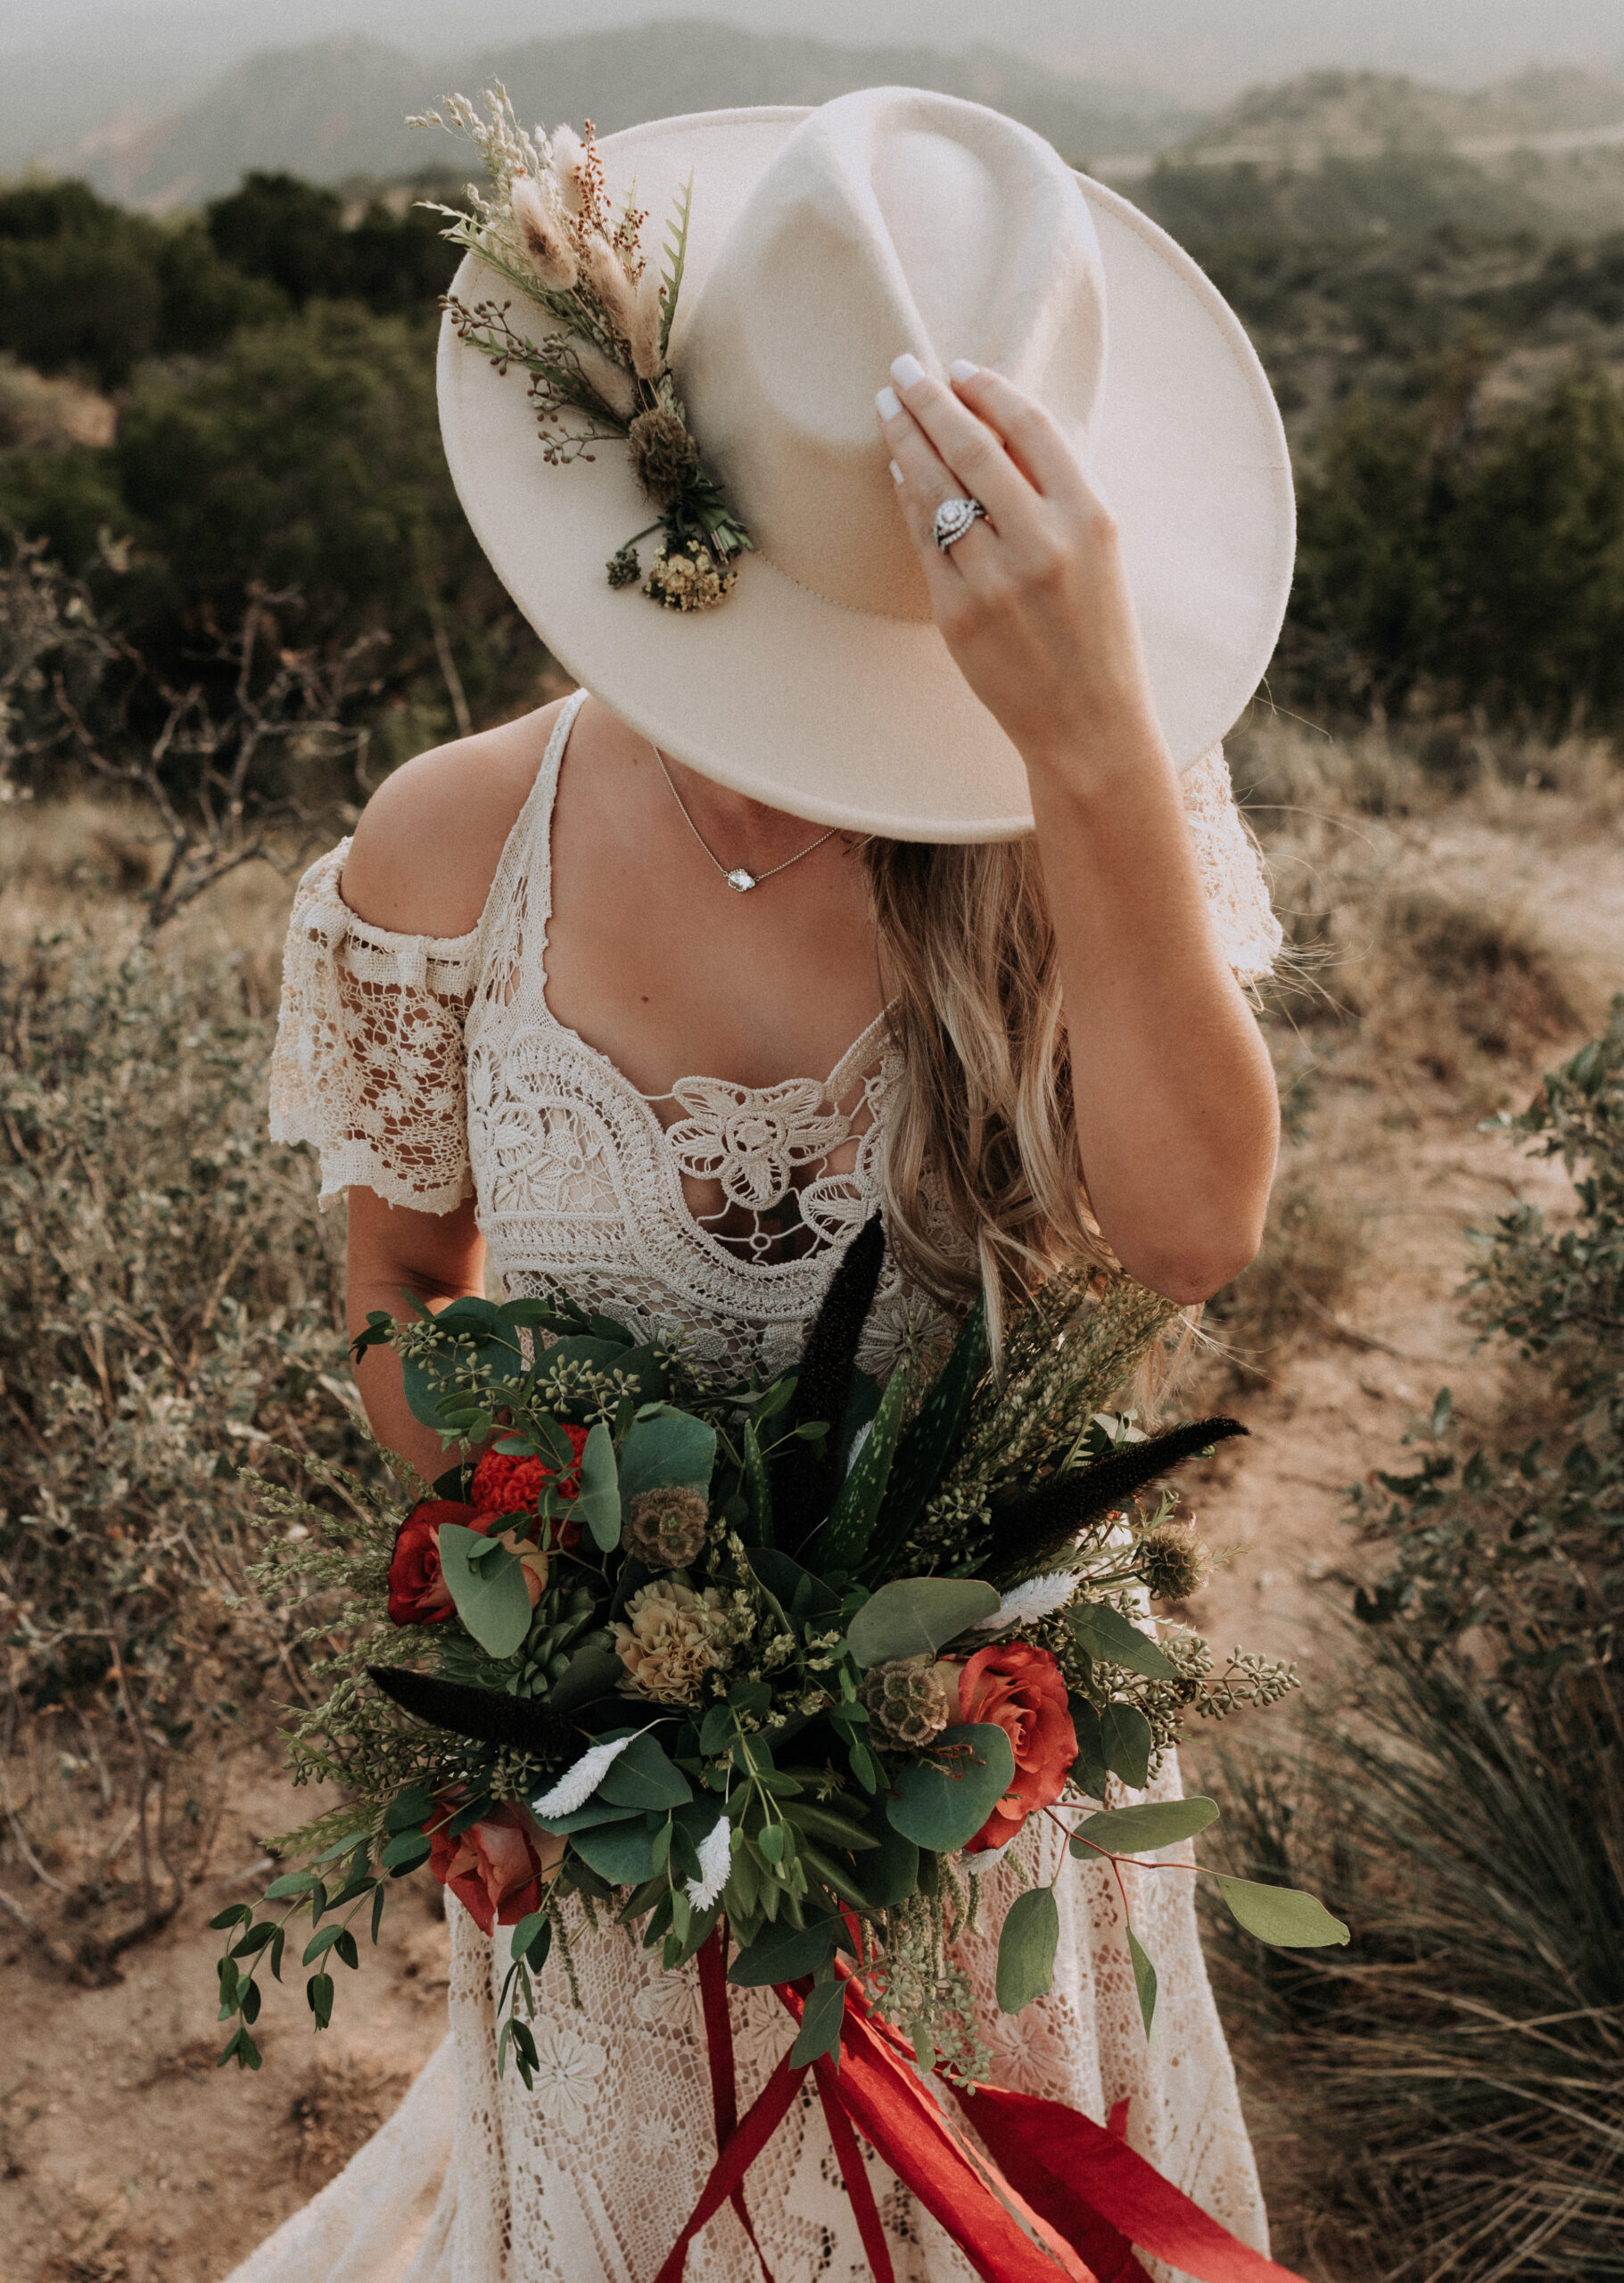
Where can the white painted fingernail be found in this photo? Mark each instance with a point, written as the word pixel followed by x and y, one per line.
pixel 886 401
pixel 961 369
pixel 907 371
pixel 896 473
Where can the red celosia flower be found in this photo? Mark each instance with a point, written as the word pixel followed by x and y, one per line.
pixel 1022 1691
pixel 513 1486
pixel 493 1868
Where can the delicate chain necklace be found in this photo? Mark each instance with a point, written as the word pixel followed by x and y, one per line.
pixel 739 878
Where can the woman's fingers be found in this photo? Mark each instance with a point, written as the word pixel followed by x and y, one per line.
pixel 923 481
pixel 979 463
pixel 1029 434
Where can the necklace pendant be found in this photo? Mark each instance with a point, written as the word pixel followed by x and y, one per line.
pixel 740 879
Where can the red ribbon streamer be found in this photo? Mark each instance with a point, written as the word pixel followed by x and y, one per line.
pixel 1062 2197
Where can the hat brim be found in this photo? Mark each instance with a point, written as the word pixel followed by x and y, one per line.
pixel 851 719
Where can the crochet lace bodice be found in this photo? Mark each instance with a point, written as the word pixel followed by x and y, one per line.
pixel 430 1069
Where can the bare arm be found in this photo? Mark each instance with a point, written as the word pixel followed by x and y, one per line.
pixel 1177 1121
pixel 437 1257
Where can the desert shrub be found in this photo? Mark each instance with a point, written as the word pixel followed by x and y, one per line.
pixel 1462 1800
pixel 170 1309
pixel 1520 1554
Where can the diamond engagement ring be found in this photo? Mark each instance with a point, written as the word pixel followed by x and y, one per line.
pixel 954 519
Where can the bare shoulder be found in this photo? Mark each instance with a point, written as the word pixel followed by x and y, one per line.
pixel 429 841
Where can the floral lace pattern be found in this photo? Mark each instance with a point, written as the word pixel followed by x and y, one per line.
pixel 426 1070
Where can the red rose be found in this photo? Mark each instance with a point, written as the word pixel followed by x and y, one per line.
pixel 417 1593
pixel 513 1486
pixel 1022 1691
pixel 493 1868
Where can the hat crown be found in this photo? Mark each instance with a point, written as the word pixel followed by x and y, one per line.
pixel 890 220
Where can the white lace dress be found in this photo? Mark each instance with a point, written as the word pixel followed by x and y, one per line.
pixel 428 1070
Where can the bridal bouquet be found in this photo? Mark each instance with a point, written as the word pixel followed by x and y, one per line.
pixel 804 1658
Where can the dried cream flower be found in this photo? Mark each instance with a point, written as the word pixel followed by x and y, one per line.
pixel 644 336
pixel 544 237
pixel 715 1863
pixel 689 578
pixel 609 285
pixel 1028 1603
pixel 567 157
pixel 669 1638
pixel 580 1780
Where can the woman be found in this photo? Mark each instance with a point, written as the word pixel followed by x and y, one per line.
pixel 1009 933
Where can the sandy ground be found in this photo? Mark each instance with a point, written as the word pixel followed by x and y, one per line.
pixel 125 2157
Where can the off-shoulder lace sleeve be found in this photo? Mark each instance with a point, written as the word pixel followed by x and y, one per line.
pixel 368 1066
pixel 1231 869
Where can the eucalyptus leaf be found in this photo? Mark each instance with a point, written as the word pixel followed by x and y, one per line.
pixel 891 1873
pixel 1284 1917
pixel 943 1805
pixel 784 1953
pixel 915 1617
pixel 1026 1948
pixel 621 1852
pixel 665 1449
pixel 1144 1980
pixel 1128 1744
pixel 822 2020
pixel 487 1584
pixel 644 1776
pixel 598 1500
pixel 1140 1830
pixel 1109 1638
pixel 799 1594
pixel 1088 1770
pixel 591 1673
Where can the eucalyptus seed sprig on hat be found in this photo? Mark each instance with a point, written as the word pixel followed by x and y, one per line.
pixel 601 374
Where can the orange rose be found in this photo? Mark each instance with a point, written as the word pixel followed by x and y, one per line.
pixel 1022 1691
pixel 418 1594
pixel 493 1868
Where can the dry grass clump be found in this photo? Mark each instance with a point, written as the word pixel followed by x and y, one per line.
pixel 1449 980
pixel 1462 2065
pixel 169 1310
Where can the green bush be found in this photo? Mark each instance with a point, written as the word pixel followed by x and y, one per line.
pixel 1519 1554
pixel 1467 558
pixel 85 286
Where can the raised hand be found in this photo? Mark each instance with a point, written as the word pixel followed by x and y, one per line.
pixel 1032 601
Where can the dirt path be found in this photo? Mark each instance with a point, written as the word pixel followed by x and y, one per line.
pixel 125 2156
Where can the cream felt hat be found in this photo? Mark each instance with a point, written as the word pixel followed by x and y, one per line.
pixel 823 243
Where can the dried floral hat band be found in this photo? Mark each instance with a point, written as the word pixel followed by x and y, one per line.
pixel 717 391
pixel 600 370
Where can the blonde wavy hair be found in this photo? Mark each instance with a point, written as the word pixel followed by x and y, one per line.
pixel 983 1193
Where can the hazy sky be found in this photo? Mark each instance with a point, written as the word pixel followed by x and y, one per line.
pixel 1201 48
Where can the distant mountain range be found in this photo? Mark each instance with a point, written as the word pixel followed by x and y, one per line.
pixel 333 110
